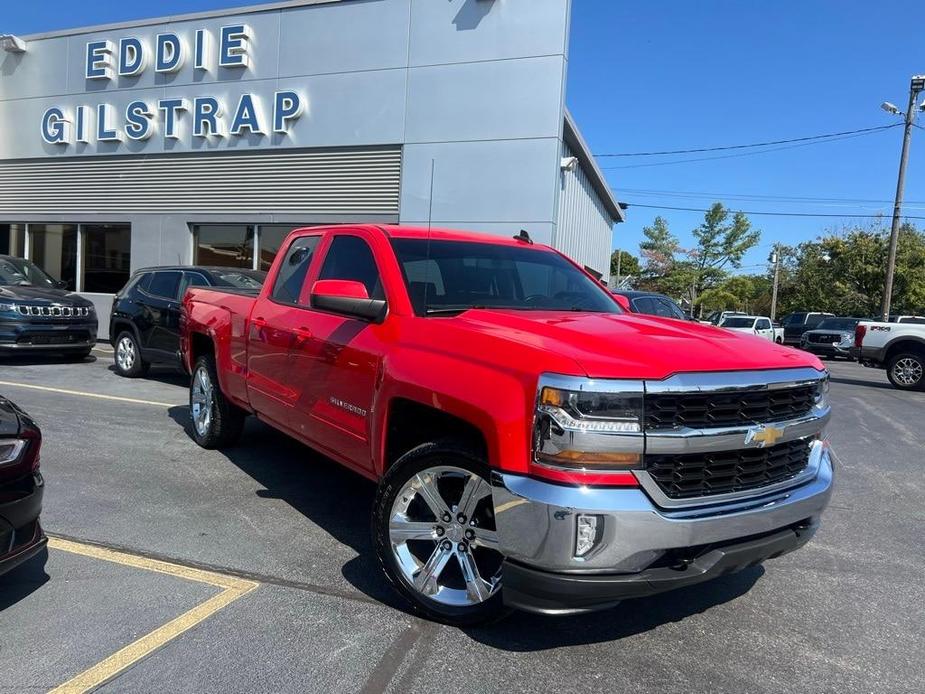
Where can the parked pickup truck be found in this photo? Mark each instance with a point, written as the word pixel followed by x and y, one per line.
pixel 534 446
pixel 755 325
pixel 897 347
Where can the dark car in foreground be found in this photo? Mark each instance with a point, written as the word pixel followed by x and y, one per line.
pixel 651 303
pixel 38 315
pixel 833 337
pixel 144 327
pixel 21 487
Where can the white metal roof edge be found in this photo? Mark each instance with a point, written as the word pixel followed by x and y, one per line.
pixel 575 141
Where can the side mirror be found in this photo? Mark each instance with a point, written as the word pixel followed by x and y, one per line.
pixel 347 298
pixel 623 301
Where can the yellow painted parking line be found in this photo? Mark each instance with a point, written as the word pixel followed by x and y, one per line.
pixel 64 391
pixel 104 350
pixel 233 588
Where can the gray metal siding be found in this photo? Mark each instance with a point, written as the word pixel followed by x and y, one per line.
pixel 355 182
pixel 584 229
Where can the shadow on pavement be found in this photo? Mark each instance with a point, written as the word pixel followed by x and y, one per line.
pixel 42 359
pixel 162 374
pixel 340 501
pixel 860 382
pixel 523 632
pixel 329 495
pixel 23 580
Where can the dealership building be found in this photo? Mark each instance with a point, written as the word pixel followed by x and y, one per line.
pixel 206 138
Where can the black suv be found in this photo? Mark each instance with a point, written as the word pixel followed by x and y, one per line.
pixel 38 315
pixel 21 487
pixel 144 327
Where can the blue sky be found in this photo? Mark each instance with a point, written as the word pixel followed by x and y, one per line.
pixel 654 75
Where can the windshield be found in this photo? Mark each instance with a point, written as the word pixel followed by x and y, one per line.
pixel 240 278
pixel 449 276
pixel 738 323
pixel 795 319
pixel 838 324
pixel 17 272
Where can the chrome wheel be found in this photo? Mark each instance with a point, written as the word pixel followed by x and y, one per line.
pixel 907 371
pixel 442 534
pixel 126 354
pixel 201 400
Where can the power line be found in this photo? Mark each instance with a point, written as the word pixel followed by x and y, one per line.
pixel 769 214
pixel 741 154
pixel 754 144
pixel 755 196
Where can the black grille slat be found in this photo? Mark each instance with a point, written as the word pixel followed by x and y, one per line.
pixel 703 474
pixel 708 410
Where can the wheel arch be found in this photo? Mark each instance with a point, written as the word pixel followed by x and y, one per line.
pixel 906 343
pixel 409 423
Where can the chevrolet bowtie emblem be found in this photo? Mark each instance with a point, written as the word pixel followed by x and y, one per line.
pixel 763 436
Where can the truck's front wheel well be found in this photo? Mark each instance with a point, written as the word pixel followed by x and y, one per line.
pixel 410 424
pixel 199 345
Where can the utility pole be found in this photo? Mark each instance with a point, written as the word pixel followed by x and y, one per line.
pixel 619 263
pixel 775 258
pixel 917 85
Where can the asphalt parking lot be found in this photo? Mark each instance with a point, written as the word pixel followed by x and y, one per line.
pixel 172 568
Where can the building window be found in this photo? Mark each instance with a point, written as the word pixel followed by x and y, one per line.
pixel 271 237
pixel 107 257
pixel 13 240
pixel 53 247
pixel 224 245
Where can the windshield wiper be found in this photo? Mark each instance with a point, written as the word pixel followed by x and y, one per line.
pixel 448 310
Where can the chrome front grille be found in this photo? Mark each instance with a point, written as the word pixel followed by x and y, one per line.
pixel 53 311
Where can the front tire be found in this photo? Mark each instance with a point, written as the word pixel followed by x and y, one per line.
pixel 906 371
pixel 434 532
pixel 127 356
pixel 216 421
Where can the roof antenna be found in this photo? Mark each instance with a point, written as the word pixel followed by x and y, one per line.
pixel 524 237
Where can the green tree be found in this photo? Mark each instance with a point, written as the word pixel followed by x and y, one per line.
pixel 721 244
pixel 628 264
pixel 844 272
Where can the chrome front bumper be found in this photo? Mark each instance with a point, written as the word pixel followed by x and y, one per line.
pixel 537 520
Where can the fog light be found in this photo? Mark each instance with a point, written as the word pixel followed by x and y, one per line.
pixel 587 534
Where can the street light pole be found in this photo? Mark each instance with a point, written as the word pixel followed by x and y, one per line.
pixel 917 85
pixel 775 258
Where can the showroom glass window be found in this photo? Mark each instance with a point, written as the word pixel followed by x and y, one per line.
pixel 107 257
pixel 53 247
pixel 224 245
pixel 271 240
pixel 13 240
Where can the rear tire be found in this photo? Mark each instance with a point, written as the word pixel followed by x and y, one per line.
pixel 435 537
pixel 216 422
pixel 906 371
pixel 127 356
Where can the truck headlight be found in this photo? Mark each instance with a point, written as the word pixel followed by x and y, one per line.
pixel 821 396
pixel 579 428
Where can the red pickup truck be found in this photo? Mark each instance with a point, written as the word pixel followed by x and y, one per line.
pixel 534 446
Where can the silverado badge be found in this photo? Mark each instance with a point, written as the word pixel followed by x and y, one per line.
pixel 763 435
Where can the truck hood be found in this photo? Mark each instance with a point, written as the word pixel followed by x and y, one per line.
pixel 40 295
pixel 634 345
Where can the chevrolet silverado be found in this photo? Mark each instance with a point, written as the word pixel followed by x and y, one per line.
pixel 534 446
